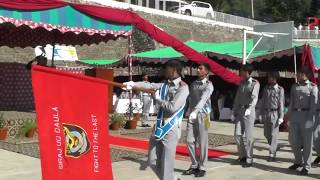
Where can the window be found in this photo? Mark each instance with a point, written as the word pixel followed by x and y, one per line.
pixel 203 5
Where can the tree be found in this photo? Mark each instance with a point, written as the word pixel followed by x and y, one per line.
pixel 314 8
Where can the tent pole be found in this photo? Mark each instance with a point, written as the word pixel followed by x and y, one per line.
pixel 295 64
pixel 53 48
pixel 130 73
pixel 244 48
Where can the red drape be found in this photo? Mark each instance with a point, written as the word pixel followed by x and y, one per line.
pixel 128 17
pixel 307 60
pixel 32 4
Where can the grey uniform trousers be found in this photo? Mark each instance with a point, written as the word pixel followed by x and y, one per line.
pixel 316 135
pixel 301 138
pixel 161 155
pixel 197 133
pixel 244 126
pixel 146 100
pixel 271 130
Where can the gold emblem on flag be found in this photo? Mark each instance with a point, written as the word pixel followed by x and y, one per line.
pixel 76 141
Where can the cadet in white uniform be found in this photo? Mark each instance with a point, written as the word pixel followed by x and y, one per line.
pixel 146 99
pixel 199 121
pixel 171 98
pixel 272 105
pixel 244 114
pixel 302 108
pixel 316 135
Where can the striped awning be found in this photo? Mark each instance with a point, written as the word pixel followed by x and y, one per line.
pixel 27 27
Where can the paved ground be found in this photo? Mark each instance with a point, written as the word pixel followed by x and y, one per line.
pixel 13 166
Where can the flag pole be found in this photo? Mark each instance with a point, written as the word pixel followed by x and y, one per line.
pixel 130 73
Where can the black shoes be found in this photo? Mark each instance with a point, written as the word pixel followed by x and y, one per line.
pixel 271 159
pixel 197 172
pixel 200 173
pixel 190 171
pixel 145 125
pixel 295 166
pixel 304 172
pixel 242 160
pixel 247 165
pixel 316 161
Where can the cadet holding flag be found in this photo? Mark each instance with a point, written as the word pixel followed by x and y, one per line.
pixel 272 105
pixel 171 98
pixel 302 108
pixel 199 121
pixel 244 114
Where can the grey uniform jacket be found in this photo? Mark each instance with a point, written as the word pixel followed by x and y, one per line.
pixel 176 97
pixel 247 96
pixel 304 97
pixel 273 99
pixel 200 93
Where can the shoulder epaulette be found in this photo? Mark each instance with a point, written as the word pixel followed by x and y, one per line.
pixel 182 83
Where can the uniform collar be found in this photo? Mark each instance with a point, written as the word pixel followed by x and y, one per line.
pixel 304 83
pixel 274 86
pixel 175 81
pixel 203 81
pixel 249 80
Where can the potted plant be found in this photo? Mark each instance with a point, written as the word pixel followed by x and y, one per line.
pixel 28 129
pixel 134 113
pixel 3 130
pixel 117 121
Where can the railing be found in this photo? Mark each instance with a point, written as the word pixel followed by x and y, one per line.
pixel 237 20
pixel 306 34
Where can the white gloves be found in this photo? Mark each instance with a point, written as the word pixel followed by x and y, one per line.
pixel 128 85
pixel 192 116
pixel 232 118
pixel 248 112
pixel 280 121
pixel 157 96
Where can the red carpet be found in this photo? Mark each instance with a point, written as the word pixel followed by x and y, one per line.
pixel 144 144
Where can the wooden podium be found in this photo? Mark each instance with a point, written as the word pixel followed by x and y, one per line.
pixel 106 74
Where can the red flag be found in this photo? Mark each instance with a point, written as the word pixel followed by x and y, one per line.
pixel 307 60
pixel 72 124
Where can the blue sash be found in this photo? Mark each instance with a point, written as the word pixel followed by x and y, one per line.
pixel 161 131
pixel 206 110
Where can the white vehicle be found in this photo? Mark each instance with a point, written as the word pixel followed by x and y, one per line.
pixel 198 9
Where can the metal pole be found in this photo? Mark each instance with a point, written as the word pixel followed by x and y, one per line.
pixel 255 45
pixel 52 61
pixel 244 49
pixel 252 11
pixel 295 64
pixel 130 73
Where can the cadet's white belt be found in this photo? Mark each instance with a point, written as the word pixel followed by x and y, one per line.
pixel 244 106
pixel 271 109
pixel 301 109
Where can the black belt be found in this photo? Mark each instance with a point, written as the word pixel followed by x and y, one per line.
pixel 271 109
pixel 244 106
pixel 301 109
